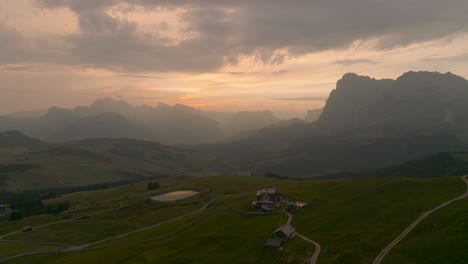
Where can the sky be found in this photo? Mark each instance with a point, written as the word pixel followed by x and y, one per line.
pixel 217 54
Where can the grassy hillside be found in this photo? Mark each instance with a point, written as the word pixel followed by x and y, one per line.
pixel 100 160
pixel 445 232
pixel 303 151
pixel 438 165
pixel 15 139
pixel 351 219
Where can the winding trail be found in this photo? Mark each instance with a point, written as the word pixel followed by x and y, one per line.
pixel 78 248
pixel 86 246
pixel 389 247
pixel 71 219
pixel 314 258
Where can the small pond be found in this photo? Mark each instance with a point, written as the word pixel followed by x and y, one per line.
pixel 173 196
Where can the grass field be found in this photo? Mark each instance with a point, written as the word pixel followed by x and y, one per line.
pixel 351 219
pixel 445 234
pixel 93 161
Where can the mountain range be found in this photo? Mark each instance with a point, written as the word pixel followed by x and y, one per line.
pixel 366 124
pixel 109 118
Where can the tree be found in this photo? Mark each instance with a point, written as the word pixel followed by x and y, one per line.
pixel 16 215
pixel 152 186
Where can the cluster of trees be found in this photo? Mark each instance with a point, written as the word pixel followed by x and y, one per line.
pixel 32 208
pixel 28 203
pixel 57 208
pixel 92 187
pixel 16 215
pixel 153 186
pixel 276 176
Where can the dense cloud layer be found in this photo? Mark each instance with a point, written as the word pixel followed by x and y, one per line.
pixel 221 31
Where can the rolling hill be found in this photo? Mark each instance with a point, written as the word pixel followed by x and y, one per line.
pixel 93 161
pixel 15 139
pixel 438 165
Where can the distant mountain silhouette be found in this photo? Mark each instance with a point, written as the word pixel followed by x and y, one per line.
pixel 251 133
pixel 349 105
pixel 15 139
pixel 181 124
pixel 312 115
pixel 28 114
pixel 178 124
pixel 247 121
pixel 415 102
pixel 423 101
pixel 105 125
pixel 366 124
pixel 60 125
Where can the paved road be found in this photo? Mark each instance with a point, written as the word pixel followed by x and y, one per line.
pixel 314 258
pixel 389 247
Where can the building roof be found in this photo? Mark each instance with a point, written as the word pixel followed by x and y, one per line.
pixel 266 208
pixel 276 243
pixel 286 229
pixel 267 191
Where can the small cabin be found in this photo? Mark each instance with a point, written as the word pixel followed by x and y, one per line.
pixel 285 232
pixel 274 243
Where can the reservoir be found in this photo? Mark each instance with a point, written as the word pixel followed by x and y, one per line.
pixel 173 196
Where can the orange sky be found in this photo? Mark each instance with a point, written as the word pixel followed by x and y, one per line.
pixel 43 61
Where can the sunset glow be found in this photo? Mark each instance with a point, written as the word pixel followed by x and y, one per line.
pixel 68 53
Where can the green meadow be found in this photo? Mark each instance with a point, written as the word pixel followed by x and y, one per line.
pixel 443 238
pixel 352 220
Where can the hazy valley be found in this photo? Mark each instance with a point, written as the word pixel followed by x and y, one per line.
pixel 381 153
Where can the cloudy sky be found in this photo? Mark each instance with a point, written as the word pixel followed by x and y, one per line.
pixel 218 54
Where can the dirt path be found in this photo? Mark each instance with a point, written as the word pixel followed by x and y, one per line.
pixel 68 220
pixel 389 247
pixel 314 258
pixel 86 246
pixel 78 248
